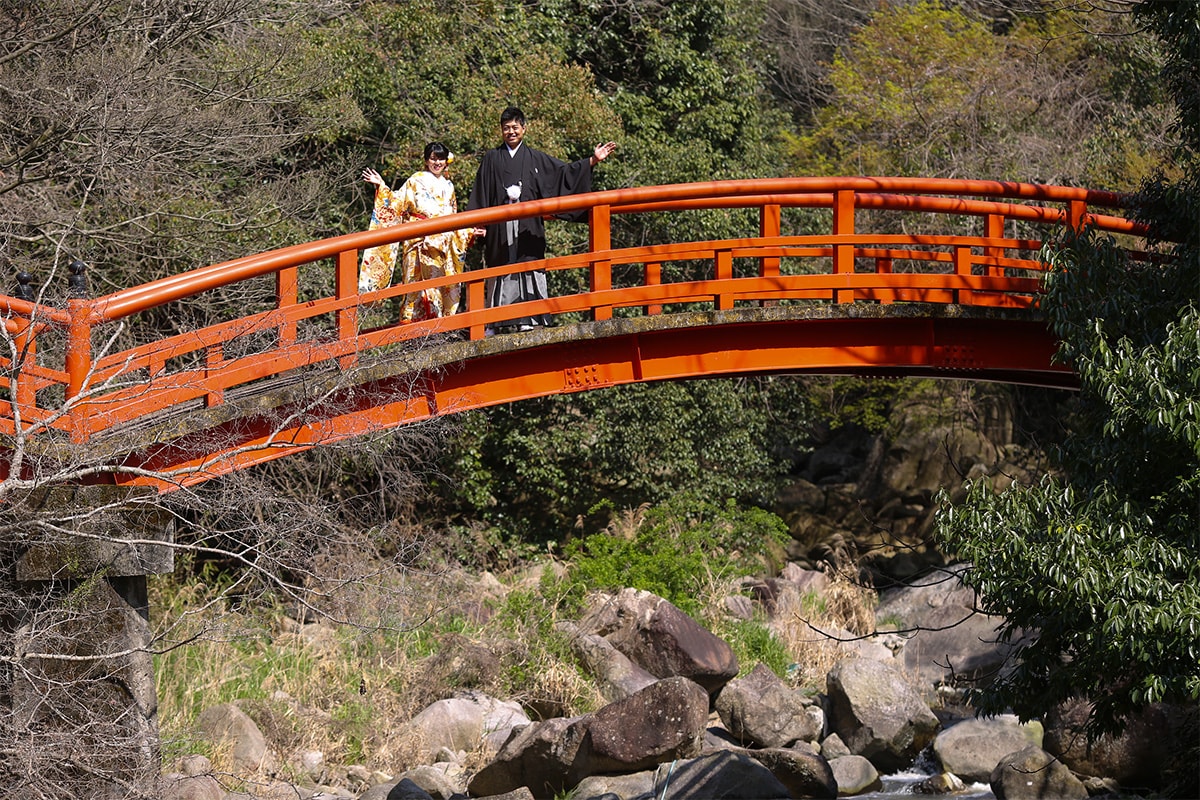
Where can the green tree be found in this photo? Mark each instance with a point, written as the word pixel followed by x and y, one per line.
pixel 687 83
pixel 929 90
pixel 536 469
pixel 147 141
pixel 1100 567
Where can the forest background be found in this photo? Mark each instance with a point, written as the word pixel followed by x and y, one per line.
pixel 148 138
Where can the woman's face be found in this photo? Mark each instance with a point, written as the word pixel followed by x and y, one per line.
pixel 436 165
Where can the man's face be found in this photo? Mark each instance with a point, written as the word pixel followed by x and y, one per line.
pixel 512 132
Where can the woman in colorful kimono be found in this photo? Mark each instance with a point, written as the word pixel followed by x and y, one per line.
pixel 428 193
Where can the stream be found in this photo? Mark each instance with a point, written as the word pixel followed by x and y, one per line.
pixel 901 784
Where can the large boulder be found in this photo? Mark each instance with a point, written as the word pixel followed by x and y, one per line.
pixel 762 710
pixel 540 756
pixel 614 673
pixel 470 721
pixel 664 641
pixel 855 775
pixel 724 774
pixel 1033 774
pixel 229 728
pixel 971 749
pixel 193 781
pixel 878 714
pixel 663 722
pixel 803 772
pixel 952 643
pixel 1136 757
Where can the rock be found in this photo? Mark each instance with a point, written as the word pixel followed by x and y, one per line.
pixel 727 775
pixel 739 607
pixel 806 580
pixel 921 459
pixel 227 726
pixel 803 772
pixel 1034 774
pixel 854 775
pixel 539 756
pixel 407 789
pixel 971 749
pixel 311 764
pixel 942 783
pixel 661 639
pixel 195 764
pixel 877 714
pixel 724 774
pixel 467 722
pixel 615 674
pixel 516 794
pixel 1134 758
pixel 833 747
pixel 663 722
pixel 609 787
pixel 851 645
pixel 953 644
pixel 178 786
pixel 761 710
pixel 436 782
pixel 378 792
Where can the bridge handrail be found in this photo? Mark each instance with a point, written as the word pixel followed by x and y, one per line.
pixel 126 302
pixel 1001 201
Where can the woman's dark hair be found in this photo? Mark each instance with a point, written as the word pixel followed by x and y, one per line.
pixel 436 149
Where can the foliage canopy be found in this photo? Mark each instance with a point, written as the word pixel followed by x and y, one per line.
pixel 1100 567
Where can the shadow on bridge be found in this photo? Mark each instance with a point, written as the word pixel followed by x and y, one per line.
pixel 313 361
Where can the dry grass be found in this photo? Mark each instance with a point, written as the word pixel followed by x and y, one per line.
pixel 812 627
pixel 348 690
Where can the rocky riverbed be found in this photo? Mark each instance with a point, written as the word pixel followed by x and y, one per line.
pixel 684 719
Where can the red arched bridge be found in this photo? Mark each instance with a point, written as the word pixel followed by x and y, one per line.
pixel 901 276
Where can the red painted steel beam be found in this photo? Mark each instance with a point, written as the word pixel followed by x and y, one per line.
pixel 525 366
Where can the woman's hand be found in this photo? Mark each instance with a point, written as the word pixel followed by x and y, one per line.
pixel 371 176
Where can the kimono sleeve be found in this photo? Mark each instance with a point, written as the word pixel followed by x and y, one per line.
pixel 573 178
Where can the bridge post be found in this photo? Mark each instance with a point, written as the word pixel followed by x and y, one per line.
pixel 345 285
pixel 79 344
pixel 25 342
pixel 600 239
pixel 287 294
pixel 994 229
pixel 1076 212
pixel 75 622
pixel 843 254
pixel 770 224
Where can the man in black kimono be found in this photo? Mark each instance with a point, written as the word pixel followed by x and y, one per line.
pixel 511 173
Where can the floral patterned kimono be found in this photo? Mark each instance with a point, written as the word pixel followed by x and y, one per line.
pixel 422 196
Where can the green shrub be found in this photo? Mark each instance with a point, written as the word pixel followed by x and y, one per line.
pixel 677 548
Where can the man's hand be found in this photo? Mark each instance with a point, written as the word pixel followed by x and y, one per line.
pixel 602 152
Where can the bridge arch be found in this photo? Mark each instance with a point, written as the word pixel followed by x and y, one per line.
pixel 957 299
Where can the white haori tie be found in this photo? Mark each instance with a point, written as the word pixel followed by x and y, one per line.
pixel 514 195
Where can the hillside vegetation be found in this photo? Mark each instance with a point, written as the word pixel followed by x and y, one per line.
pixel 151 137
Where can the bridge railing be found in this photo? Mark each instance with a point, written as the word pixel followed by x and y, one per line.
pixel 66 375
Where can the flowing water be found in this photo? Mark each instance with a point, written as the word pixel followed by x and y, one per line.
pixel 901 784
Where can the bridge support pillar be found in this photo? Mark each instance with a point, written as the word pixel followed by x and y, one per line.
pixel 77 684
